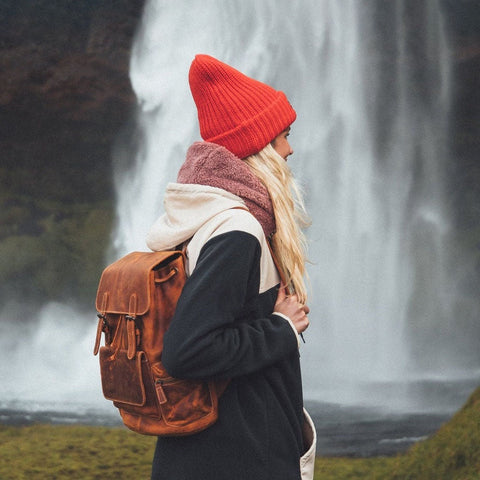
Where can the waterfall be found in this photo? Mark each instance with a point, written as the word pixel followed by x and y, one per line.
pixel 370 82
pixel 380 247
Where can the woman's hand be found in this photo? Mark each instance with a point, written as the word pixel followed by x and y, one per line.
pixel 295 311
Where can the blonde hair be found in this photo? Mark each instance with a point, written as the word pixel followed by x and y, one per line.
pixel 288 241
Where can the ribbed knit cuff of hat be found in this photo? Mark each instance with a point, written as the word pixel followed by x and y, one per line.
pixel 254 133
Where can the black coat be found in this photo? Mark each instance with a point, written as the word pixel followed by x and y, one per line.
pixel 224 328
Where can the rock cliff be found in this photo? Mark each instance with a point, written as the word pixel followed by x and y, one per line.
pixel 65 97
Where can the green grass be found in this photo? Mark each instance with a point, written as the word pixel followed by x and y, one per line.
pixel 453 453
pixel 87 453
pixel 73 452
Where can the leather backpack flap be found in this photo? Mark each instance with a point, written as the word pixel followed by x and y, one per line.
pixel 126 285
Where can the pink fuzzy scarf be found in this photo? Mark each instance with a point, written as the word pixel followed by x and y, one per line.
pixel 213 165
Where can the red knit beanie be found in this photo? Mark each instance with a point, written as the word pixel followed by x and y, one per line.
pixel 236 111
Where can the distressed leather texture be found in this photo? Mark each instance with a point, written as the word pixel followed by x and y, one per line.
pixel 136 300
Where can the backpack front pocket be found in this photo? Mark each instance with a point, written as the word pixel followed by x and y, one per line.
pixel 122 378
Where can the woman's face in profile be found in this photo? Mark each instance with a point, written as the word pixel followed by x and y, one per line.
pixel 281 145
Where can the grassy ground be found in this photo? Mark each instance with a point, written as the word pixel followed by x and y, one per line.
pixel 73 452
pixel 92 453
pixel 87 453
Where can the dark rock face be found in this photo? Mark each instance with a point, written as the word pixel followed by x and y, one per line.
pixel 65 96
pixel 463 24
pixel 65 91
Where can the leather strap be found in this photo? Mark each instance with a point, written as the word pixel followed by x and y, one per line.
pixel 101 323
pixel 131 327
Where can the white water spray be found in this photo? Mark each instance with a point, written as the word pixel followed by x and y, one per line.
pixel 48 364
pixel 369 147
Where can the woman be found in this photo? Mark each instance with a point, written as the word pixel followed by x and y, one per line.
pixel 234 194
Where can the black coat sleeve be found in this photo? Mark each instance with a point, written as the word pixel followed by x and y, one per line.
pixel 212 334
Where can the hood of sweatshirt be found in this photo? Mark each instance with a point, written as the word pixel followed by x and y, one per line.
pixel 187 208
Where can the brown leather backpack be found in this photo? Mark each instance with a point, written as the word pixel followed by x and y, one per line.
pixel 136 300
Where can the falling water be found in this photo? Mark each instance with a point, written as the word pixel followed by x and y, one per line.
pixel 380 246
pixel 371 85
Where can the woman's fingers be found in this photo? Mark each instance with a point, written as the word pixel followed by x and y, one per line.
pixel 290 306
